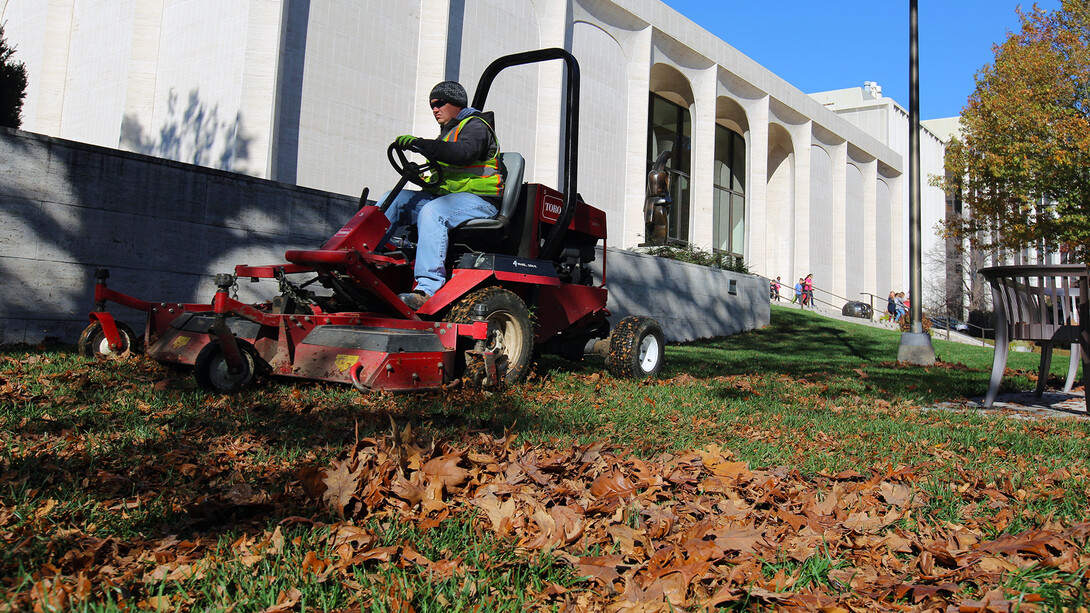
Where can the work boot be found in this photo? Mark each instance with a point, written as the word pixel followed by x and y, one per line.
pixel 414 300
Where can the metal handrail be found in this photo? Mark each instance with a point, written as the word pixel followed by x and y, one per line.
pixel 790 289
pixel 816 288
pixel 983 330
pixel 872 297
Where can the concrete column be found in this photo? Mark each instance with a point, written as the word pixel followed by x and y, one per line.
pixel 58 33
pixel 758 228
pixel 143 63
pixel 635 143
pixel 870 239
pixel 257 104
pixel 553 18
pixel 836 245
pixel 780 201
pixel 701 212
pixel 801 137
pixel 898 249
pixel 434 29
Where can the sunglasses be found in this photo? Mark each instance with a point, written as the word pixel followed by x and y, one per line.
pixel 439 103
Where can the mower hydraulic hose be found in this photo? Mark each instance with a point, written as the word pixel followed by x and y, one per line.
pixel 354 374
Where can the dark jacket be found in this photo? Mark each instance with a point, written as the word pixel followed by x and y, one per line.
pixel 474 143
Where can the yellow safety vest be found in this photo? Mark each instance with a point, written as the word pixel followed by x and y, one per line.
pixel 482 178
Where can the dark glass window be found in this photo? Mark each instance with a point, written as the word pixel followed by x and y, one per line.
pixel 729 203
pixel 670 130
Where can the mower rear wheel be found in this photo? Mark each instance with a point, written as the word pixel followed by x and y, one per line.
pixel 512 337
pixel 636 348
pixel 93 342
pixel 213 374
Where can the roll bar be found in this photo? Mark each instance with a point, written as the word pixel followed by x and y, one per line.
pixel 570 147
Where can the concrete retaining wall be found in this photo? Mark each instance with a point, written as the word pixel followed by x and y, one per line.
pixel 164 228
pixel 689 301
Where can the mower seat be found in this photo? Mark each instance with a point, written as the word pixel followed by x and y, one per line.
pixel 492 230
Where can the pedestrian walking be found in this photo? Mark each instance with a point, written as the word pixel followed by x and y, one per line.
pixel 899 302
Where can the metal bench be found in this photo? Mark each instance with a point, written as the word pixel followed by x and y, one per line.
pixel 1046 304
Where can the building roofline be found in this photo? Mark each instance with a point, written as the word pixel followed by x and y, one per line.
pixel 668 21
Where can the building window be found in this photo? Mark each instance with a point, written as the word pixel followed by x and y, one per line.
pixel 729 205
pixel 670 130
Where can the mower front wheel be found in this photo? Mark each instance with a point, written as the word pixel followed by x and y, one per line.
pixel 636 348
pixel 512 337
pixel 213 374
pixel 93 342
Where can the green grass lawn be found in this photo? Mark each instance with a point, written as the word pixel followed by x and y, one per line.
pixel 123 486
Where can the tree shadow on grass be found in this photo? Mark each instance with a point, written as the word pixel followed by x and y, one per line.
pixel 805 347
pixel 797 346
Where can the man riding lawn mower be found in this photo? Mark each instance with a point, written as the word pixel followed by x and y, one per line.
pixel 530 252
pixel 467 151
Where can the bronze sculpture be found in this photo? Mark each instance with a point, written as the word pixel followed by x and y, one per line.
pixel 656 204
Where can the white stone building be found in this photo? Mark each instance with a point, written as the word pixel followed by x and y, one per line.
pixel 311 92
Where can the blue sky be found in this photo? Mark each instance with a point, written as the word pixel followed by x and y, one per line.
pixel 818 46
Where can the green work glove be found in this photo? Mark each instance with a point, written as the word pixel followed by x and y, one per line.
pixel 405 141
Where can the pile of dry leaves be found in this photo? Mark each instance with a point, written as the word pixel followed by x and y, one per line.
pixel 696 530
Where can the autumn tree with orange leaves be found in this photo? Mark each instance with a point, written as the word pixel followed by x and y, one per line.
pixel 1022 162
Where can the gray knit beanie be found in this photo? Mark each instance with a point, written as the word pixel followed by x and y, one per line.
pixel 452 92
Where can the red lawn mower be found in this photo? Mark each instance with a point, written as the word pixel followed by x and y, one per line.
pixel 518 281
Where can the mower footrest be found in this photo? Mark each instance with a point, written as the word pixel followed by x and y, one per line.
pixel 321 257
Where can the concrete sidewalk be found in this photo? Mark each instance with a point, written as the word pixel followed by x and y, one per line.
pixel 1025 405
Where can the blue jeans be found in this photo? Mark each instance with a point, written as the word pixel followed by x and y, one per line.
pixel 434 216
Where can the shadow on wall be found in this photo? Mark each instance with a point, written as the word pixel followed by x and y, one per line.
pixel 162 228
pixel 194 134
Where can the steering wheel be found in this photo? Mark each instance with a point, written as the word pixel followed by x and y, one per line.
pixel 413 172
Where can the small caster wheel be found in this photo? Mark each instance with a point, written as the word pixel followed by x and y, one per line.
pixel 212 373
pixel 93 342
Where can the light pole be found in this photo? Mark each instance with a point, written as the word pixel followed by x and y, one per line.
pixel 915 344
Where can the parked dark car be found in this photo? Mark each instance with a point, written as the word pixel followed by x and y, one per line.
pixel 857 309
pixel 949 323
